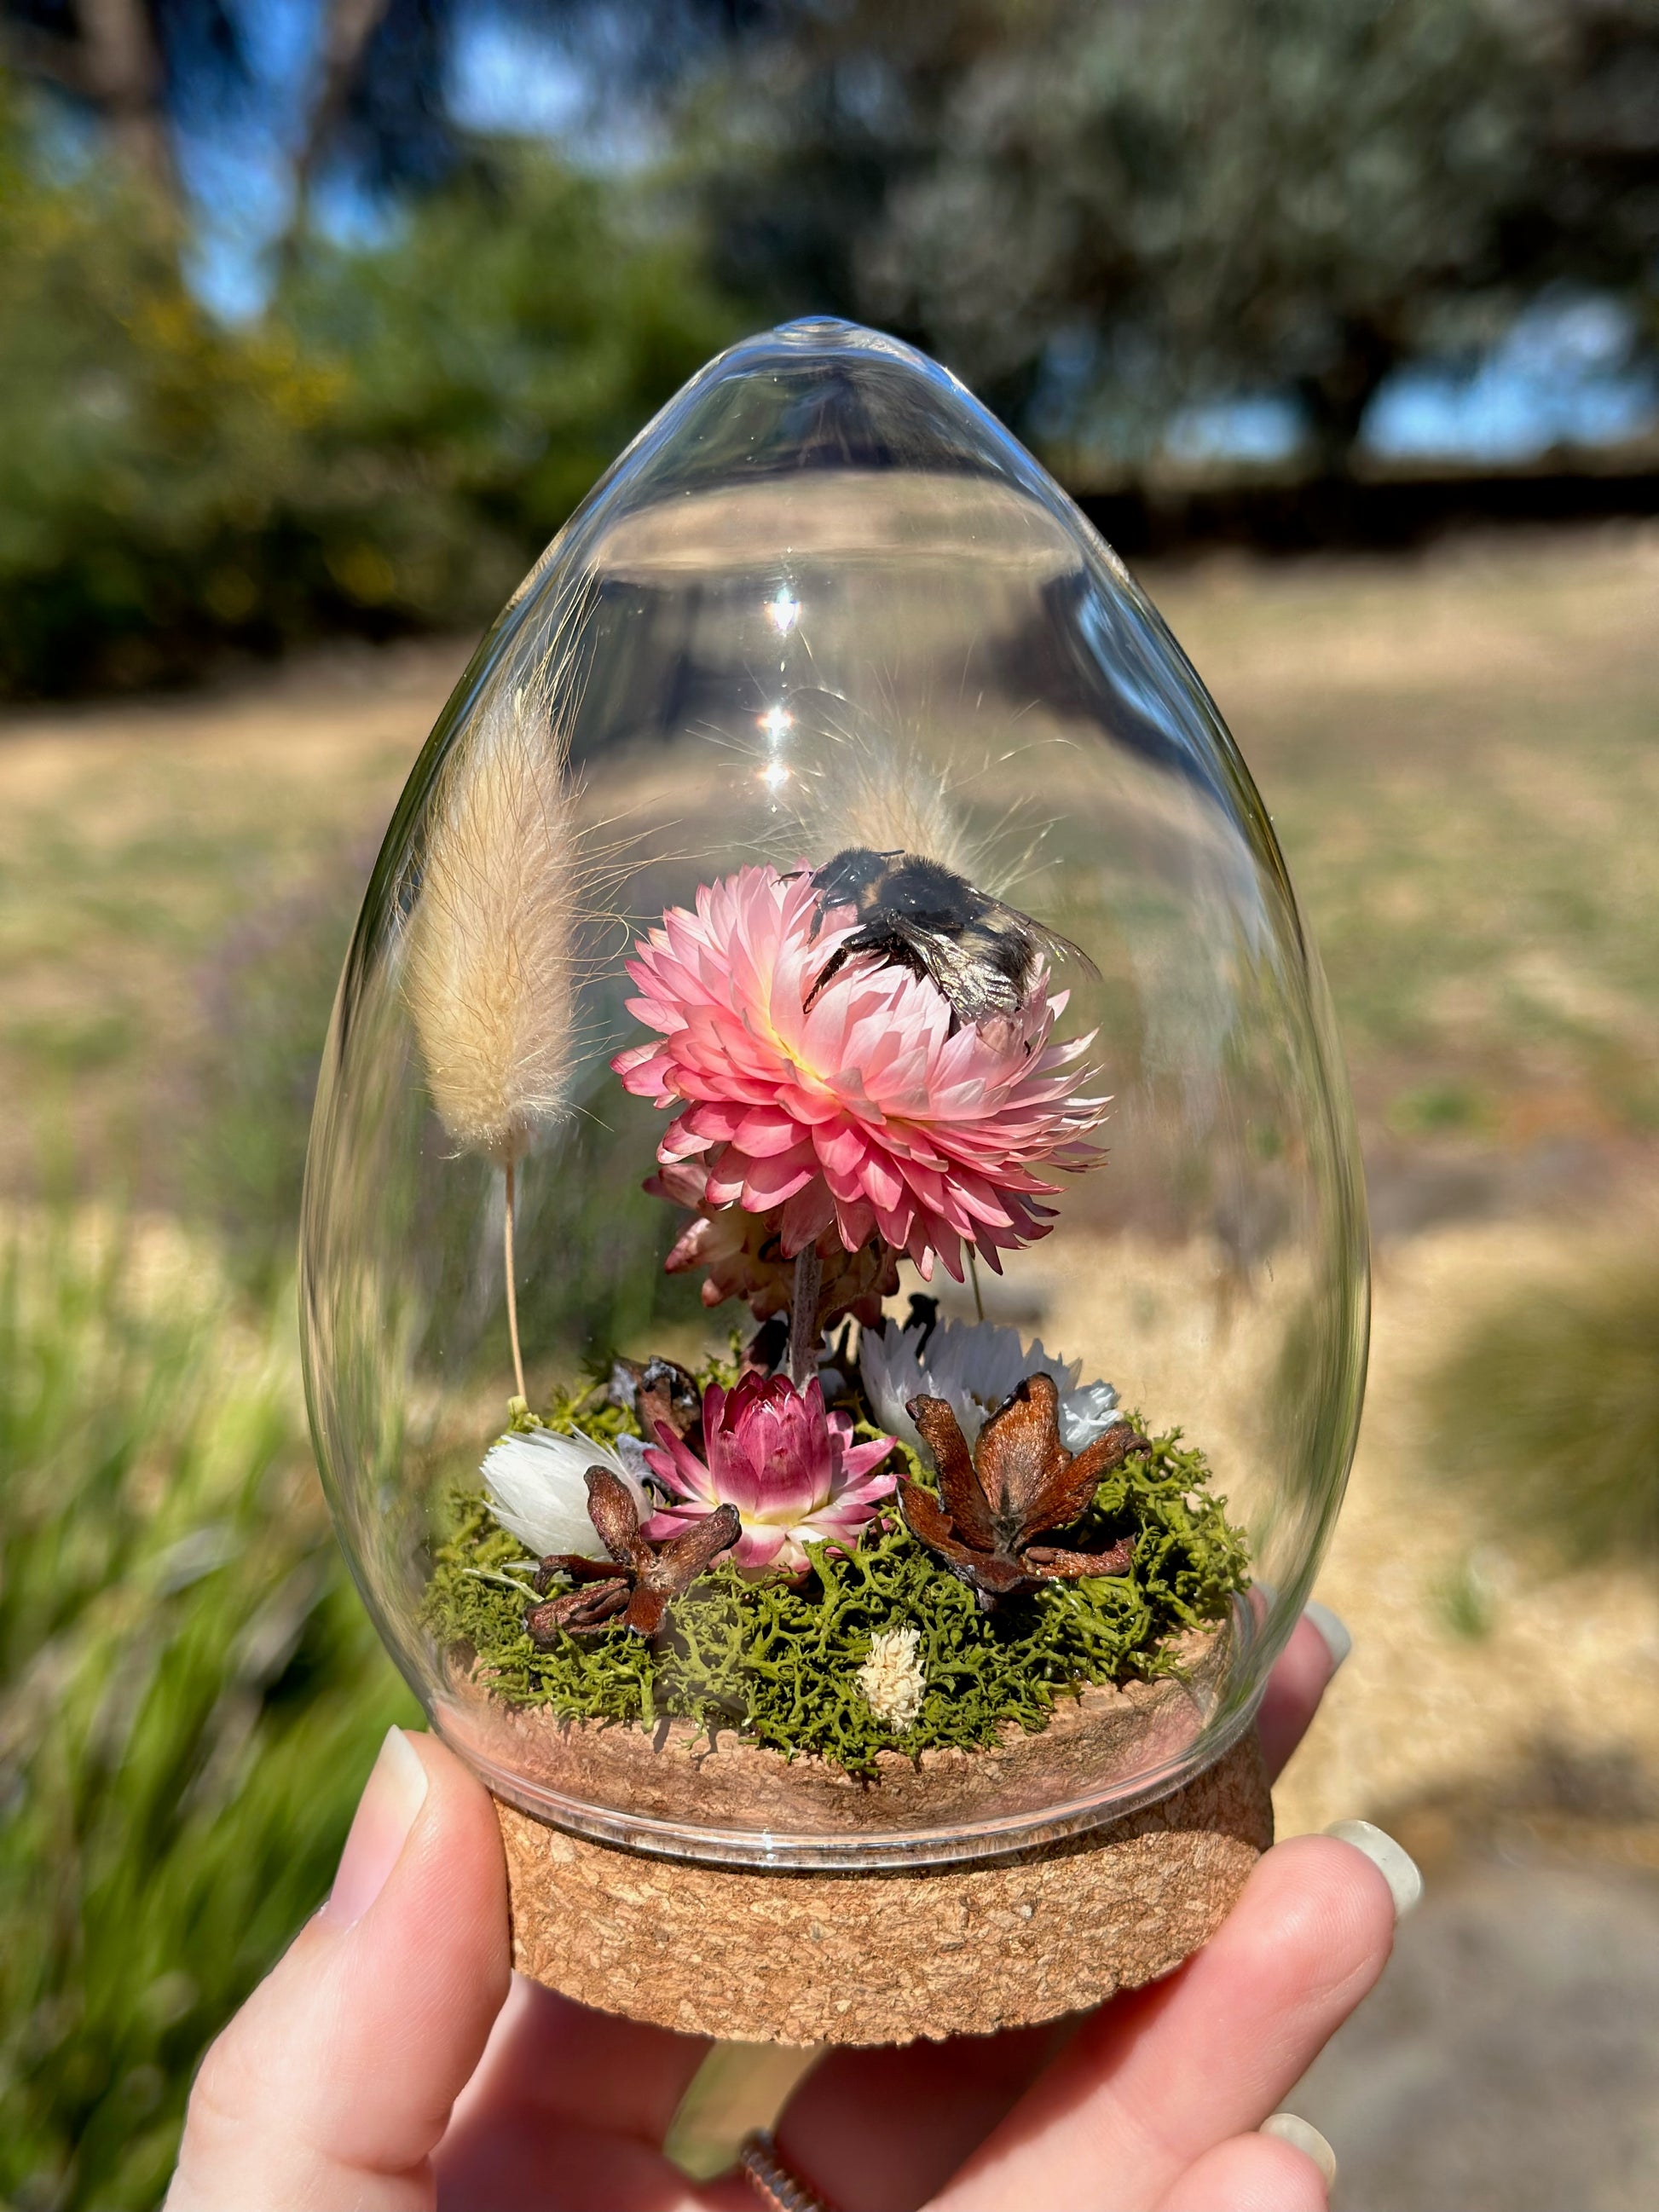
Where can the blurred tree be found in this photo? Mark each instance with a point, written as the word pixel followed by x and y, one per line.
pixel 502 349
pixel 388 448
pixel 129 62
pixel 1094 211
pixel 374 98
pixel 141 446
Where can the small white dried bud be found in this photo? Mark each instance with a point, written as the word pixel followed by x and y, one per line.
pixel 891 1678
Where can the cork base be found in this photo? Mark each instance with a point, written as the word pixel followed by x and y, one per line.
pixel 757 1957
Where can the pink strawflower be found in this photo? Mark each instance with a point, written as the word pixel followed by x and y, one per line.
pixel 792 1470
pixel 863 1110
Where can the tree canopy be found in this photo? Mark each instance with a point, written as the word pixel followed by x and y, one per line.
pixel 387 448
pixel 1094 211
pixel 1097 211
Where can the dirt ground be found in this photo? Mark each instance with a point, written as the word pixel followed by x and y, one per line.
pixel 1501 1716
pixel 1460 751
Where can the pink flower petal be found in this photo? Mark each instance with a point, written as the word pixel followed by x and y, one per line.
pixel 865 1108
pixel 787 1465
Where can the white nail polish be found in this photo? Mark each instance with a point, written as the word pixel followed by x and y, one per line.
pixel 391 1801
pixel 1395 1864
pixel 1306 2138
pixel 1337 1642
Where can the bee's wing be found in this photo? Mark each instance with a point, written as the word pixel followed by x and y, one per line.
pixel 975 989
pixel 1056 946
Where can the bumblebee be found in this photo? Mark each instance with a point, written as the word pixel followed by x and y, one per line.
pixel 982 956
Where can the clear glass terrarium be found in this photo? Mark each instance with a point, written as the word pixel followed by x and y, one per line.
pixel 834 1262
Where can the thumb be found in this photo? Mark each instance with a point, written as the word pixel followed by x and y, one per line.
pixel 334 2082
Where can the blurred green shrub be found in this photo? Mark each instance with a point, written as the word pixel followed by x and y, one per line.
pixel 389 446
pixel 190 1693
pixel 1552 1399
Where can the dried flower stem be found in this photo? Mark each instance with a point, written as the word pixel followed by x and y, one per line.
pixel 804 1317
pixel 512 1286
pixel 973 1277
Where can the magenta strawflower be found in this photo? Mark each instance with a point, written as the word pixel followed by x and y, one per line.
pixel 792 1470
pixel 866 1109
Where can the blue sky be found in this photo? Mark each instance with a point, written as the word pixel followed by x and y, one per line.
pixel 1567 373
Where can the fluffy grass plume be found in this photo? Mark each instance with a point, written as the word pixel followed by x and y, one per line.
pixel 492 975
pixel 892 797
pixel 875 783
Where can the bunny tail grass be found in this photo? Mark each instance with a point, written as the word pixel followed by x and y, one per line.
pixel 491 979
pixel 873 782
pixel 491 973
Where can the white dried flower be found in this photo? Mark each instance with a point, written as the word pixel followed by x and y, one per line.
pixel 891 1678
pixel 534 1487
pixel 973 1366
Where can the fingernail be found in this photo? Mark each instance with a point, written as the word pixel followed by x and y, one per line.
pixel 1396 1866
pixel 1333 1628
pixel 1306 2138
pixel 395 1794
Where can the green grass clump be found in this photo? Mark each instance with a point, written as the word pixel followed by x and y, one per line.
pixel 780 1663
pixel 190 1694
pixel 1552 1401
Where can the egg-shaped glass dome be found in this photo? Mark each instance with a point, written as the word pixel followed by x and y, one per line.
pixel 834 1268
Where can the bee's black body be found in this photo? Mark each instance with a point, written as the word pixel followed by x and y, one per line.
pixel 922 915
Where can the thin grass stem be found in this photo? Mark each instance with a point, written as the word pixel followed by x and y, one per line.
pixel 512 1288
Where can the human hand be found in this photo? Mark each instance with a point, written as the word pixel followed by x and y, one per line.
pixel 392 2061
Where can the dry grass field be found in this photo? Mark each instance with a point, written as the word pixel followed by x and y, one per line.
pixel 1462 753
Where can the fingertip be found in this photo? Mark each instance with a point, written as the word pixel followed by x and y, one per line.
pixel 1250 2173
pixel 1392 1860
pixel 1319 1915
pixel 1301 1674
pixel 442 1917
pixel 386 1812
pixel 1338 1636
pixel 462 1822
pixel 343 2066
pixel 1303 2136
